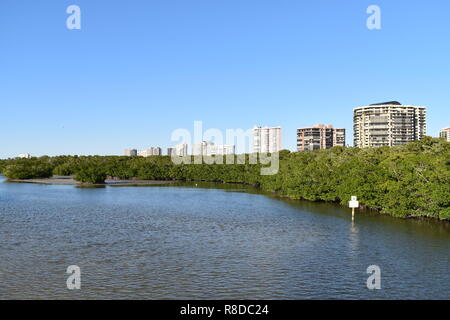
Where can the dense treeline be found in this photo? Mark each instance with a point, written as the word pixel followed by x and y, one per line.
pixel 406 181
pixel 27 168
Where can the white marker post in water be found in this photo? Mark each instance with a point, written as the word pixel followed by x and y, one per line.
pixel 353 203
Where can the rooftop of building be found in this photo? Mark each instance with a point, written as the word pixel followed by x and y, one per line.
pixel 389 104
pixel 395 103
pixel 326 126
pixel 260 127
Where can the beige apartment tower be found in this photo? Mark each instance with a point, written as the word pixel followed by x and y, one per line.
pixel 319 137
pixel 388 124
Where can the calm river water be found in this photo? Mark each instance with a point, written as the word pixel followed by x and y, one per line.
pixel 187 242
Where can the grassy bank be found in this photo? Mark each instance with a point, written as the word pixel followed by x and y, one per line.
pixel 412 180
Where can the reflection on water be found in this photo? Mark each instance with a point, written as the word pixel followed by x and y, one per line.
pixel 192 242
pixel 354 236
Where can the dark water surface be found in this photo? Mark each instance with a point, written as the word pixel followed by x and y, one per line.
pixel 199 243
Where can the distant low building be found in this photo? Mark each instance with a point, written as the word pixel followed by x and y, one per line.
pixel 24 156
pixel 181 149
pixel 202 148
pixel 171 151
pixel 130 152
pixel 445 133
pixel 153 151
pixel 157 151
pixel 225 149
pixel 144 153
pixel 319 137
pixel 208 148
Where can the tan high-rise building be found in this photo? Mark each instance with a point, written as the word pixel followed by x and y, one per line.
pixel 320 136
pixel 445 133
pixel 388 124
pixel 266 139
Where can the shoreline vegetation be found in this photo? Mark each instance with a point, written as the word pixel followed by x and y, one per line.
pixel 408 181
pixel 70 180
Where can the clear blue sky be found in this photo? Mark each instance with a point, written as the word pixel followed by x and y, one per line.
pixel 137 70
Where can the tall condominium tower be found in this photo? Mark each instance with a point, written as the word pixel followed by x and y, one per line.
pixel 388 124
pixel 319 137
pixel 266 139
pixel 445 133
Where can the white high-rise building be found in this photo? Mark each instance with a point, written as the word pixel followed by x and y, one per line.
pixel 266 139
pixel 445 133
pixel 388 124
